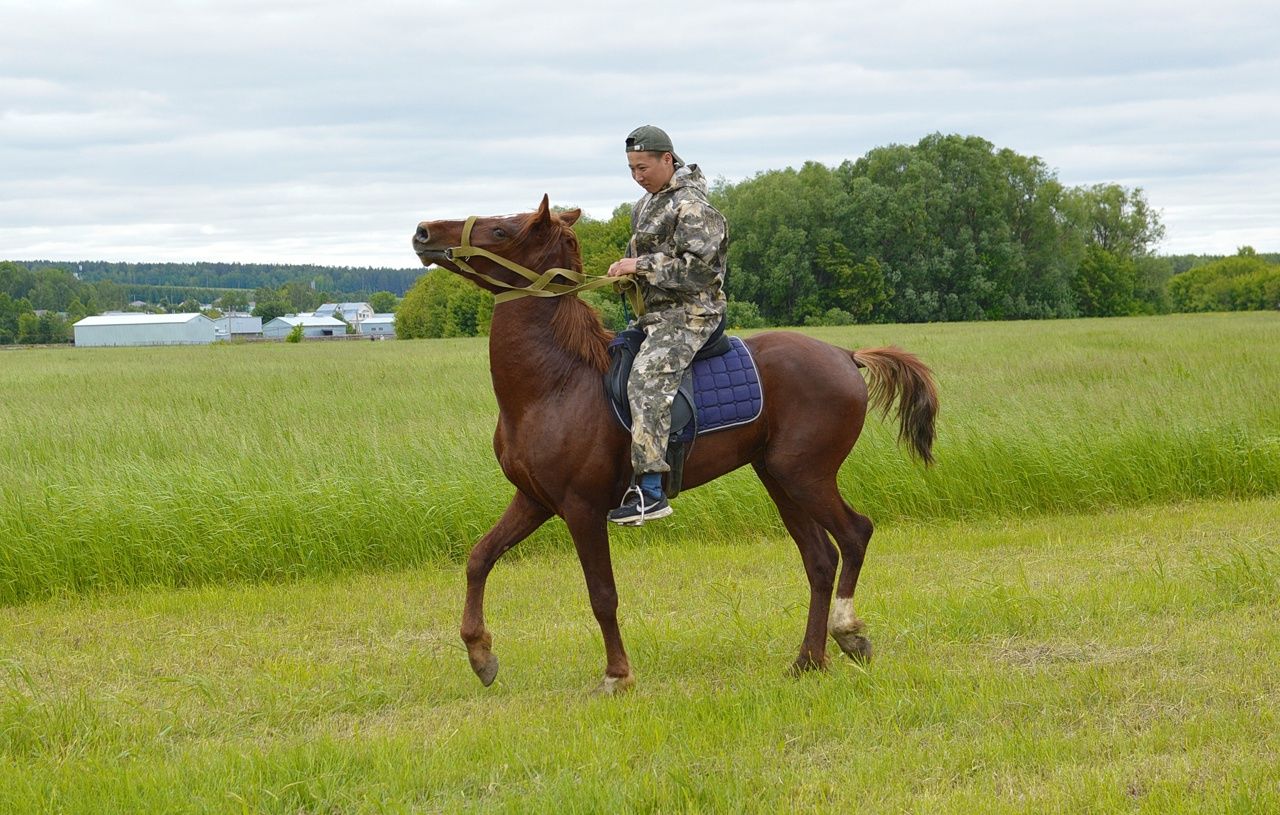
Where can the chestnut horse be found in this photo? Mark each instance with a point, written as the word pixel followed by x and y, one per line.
pixel 558 442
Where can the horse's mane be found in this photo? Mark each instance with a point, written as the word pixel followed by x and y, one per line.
pixel 578 330
pixel 575 325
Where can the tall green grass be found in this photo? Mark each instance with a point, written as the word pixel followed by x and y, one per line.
pixel 247 463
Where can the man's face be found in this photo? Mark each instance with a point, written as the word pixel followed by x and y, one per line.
pixel 651 170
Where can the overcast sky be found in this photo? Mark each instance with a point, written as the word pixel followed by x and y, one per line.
pixel 316 132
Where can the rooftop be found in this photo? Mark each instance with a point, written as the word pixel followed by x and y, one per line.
pixel 311 320
pixel 140 319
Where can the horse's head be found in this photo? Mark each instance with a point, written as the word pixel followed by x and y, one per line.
pixel 537 240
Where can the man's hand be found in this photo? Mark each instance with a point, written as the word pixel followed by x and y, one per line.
pixel 622 267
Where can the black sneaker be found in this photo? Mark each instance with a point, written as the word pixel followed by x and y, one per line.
pixel 637 508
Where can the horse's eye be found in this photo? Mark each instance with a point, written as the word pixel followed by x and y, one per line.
pixel 499 233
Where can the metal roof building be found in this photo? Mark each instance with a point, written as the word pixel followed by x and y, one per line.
pixel 379 325
pixel 351 312
pixel 145 329
pixel 231 326
pixel 312 326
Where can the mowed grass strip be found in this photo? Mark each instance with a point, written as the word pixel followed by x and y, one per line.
pixel 268 462
pixel 1116 662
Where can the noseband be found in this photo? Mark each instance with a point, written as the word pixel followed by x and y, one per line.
pixel 540 284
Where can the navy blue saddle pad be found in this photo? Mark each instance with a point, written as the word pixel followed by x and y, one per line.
pixel 726 391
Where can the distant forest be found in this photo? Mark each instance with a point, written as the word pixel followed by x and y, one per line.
pixel 199 280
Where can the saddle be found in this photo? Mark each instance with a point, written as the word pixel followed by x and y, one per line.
pixel 719 389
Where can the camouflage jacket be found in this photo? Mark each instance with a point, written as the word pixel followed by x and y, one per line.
pixel 679 242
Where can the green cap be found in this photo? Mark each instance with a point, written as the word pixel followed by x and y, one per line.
pixel 650 139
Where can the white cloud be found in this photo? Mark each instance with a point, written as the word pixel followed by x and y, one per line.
pixel 323 131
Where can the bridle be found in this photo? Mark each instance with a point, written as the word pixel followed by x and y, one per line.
pixel 540 283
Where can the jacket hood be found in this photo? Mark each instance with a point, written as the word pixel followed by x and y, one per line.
pixel 688 176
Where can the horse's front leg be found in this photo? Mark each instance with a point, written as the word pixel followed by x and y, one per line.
pixel 591 538
pixel 522 517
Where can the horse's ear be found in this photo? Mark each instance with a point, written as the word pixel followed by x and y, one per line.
pixel 543 216
pixel 570 216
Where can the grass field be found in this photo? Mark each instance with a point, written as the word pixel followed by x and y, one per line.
pixel 229 583
pixel 1116 662
pixel 190 466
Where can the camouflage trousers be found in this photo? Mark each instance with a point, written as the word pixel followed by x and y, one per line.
pixel 671 340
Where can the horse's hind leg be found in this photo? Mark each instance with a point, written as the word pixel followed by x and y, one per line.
pixel 522 517
pixel 852 532
pixel 819 558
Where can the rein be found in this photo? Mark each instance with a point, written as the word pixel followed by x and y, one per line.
pixel 540 284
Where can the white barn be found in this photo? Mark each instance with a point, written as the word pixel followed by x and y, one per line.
pixel 379 325
pixel 312 326
pixel 233 326
pixel 145 329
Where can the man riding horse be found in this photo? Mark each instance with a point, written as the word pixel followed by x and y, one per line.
pixel 677 258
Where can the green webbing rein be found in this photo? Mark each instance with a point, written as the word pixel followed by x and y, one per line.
pixel 540 284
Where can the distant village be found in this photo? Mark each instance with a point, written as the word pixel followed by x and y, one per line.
pixel 116 328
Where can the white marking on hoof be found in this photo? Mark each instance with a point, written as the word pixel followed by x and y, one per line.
pixel 847 630
pixel 842 619
pixel 615 685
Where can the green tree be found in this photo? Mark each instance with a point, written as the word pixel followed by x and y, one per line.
pixel 268 310
pixel 383 302
pixel 1151 290
pixel 860 290
pixel 77 311
pixel 16 281
pixel 960 230
pixel 267 294
pixel 421 313
pixel 53 328
pixel 1245 281
pixel 233 301
pixel 108 295
pixel 776 221
pixel 1117 219
pixel 742 314
pixel 28 328
pixel 1105 283
pixel 603 242
pixel 10 311
pixel 300 296
pixel 469 312
pixel 832 316
pixel 441 304
pixel 54 290
pixel 949 228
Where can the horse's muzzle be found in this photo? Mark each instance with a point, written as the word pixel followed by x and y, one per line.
pixel 423 249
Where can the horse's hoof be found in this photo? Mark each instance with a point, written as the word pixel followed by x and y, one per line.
pixel 615 685
pixel 485 666
pixel 807 664
pixel 855 645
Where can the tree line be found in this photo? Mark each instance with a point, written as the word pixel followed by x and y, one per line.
pixel 950 228
pixel 354 283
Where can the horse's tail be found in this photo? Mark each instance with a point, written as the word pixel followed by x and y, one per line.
pixel 898 374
